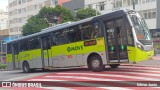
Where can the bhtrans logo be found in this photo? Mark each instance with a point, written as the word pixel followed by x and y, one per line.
pixel 21 84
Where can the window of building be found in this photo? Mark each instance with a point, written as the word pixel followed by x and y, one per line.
pixel 148 14
pixel 10 21
pixel 30 8
pixel 19 20
pixel 23 1
pixel 136 1
pixel 153 13
pixel 35 7
pixel 19 1
pixel 20 29
pixel 10 4
pixel 101 6
pixel 55 2
pixel 23 10
pixel 118 3
pixel 29 0
pixel 19 11
pixel 40 5
pixel 145 14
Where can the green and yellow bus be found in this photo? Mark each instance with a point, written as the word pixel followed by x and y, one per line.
pixel 110 39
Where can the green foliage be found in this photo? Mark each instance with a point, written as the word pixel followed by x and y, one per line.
pixel 35 24
pixel 86 13
pixel 47 16
pixel 3 66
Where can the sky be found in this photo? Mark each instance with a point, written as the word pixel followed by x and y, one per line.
pixel 3 4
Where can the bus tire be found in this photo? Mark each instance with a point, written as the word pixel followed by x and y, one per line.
pixel 26 68
pixel 114 65
pixel 96 64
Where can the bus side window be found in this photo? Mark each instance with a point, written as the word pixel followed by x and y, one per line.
pixel 24 45
pixel 60 37
pixel 9 50
pixel 53 40
pixel 130 37
pixel 96 32
pixel 74 34
pixel 34 43
pixel 129 34
pixel 87 29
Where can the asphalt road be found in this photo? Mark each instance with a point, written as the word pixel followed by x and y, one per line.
pixel 16 75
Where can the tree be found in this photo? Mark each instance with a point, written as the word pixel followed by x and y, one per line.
pixel 86 13
pixel 33 25
pixel 46 17
pixel 56 15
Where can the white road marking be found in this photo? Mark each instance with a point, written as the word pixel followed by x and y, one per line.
pixel 111 75
pixel 83 84
pixel 24 77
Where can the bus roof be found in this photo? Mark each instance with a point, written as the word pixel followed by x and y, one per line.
pixel 63 25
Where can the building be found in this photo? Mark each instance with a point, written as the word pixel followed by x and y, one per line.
pixel 147 8
pixel 102 6
pixel 3 20
pixel 21 10
pixel 3 34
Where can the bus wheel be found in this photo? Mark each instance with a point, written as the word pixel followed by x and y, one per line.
pixel 26 67
pixel 96 63
pixel 114 65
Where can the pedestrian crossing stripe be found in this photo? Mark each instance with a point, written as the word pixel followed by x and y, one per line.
pixel 108 79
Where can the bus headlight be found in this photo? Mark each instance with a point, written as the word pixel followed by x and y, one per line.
pixel 140 47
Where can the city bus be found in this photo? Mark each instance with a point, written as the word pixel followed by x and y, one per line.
pixel 112 39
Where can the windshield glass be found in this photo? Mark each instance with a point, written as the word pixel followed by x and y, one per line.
pixel 141 28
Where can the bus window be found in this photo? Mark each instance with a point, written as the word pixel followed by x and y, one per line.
pixel 9 51
pixel 87 29
pixel 74 34
pixel 34 43
pixel 129 34
pixel 60 37
pixel 96 32
pixel 91 30
pixel 24 45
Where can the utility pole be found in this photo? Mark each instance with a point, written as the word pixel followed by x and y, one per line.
pixel 133 4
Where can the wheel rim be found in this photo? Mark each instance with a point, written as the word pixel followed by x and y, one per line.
pixel 95 64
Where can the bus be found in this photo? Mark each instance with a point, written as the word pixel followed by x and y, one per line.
pixel 110 39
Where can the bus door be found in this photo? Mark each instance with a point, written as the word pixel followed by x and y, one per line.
pixel 116 35
pixel 15 53
pixel 46 51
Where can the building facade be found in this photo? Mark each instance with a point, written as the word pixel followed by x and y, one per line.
pixel 103 6
pixel 21 10
pixel 147 8
pixel 3 20
pixel 3 34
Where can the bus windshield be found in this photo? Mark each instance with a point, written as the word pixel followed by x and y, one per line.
pixel 141 28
